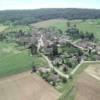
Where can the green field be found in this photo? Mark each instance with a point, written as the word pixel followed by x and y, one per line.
pixel 85 26
pixel 17 28
pixel 13 61
pixel 82 25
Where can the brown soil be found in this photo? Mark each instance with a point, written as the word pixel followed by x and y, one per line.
pixel 94 71
pixel 87 88
pixel 26 86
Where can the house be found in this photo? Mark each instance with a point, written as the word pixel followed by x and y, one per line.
pixel 98 49
pixel 44 69
pixel 57 60
pixel 55 78
pixel 86 44
pixel 64 67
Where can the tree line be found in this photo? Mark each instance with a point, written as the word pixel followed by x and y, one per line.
pixel 76 33
pixel 32 16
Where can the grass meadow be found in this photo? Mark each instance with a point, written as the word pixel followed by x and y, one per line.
pixel 13 61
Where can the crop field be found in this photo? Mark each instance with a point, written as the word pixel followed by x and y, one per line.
pixel 14 28
pixel 94 71
pixel 50 23
pixel 13 61
pixel 17 28
pixel 26 86
pixel 86 74
pixel 88 83
pixel 85 26
pixel 2 27
pixel 87 88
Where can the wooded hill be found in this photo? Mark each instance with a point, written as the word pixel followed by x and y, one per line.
pixel 31 16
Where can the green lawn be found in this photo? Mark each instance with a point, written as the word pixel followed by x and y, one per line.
pixel 13 61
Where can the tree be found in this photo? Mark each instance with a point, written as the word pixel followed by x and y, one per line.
pixel 54 83
pixel 20 34
pixel 82 36
pixel 80 53
pixel 60 31
pixel 68 24
pixel 64 80
pixel 2 37
pixel 74 25
pixel 73 32
pixel 89 51
pixel 69 64
pixel 46 76
pixel 91 36
pixel 55 49
pixel 33 49
pixel 65 69
pixel 78 59
pixel 33 69
pixel 25 17
pixel 57 64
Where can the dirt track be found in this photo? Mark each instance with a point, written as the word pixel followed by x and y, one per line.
pixel 26 86
pixel 94 71
pixel 87 88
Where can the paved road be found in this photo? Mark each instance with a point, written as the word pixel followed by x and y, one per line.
pixel 55 69
pixel 97 61
pixel 77 67
pixel 75 45
pixel 59 72
pixel 62 74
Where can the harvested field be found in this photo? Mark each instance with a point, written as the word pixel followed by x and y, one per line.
pixel 87 88
pixel 26 86
pixel 94 71
pixel 48 23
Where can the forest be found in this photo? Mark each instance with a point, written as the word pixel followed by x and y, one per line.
pixel 26 17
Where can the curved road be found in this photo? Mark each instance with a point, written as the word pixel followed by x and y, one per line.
pixel 52 67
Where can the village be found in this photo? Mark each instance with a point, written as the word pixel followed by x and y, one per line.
pixel 50 50
pixel 62 53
